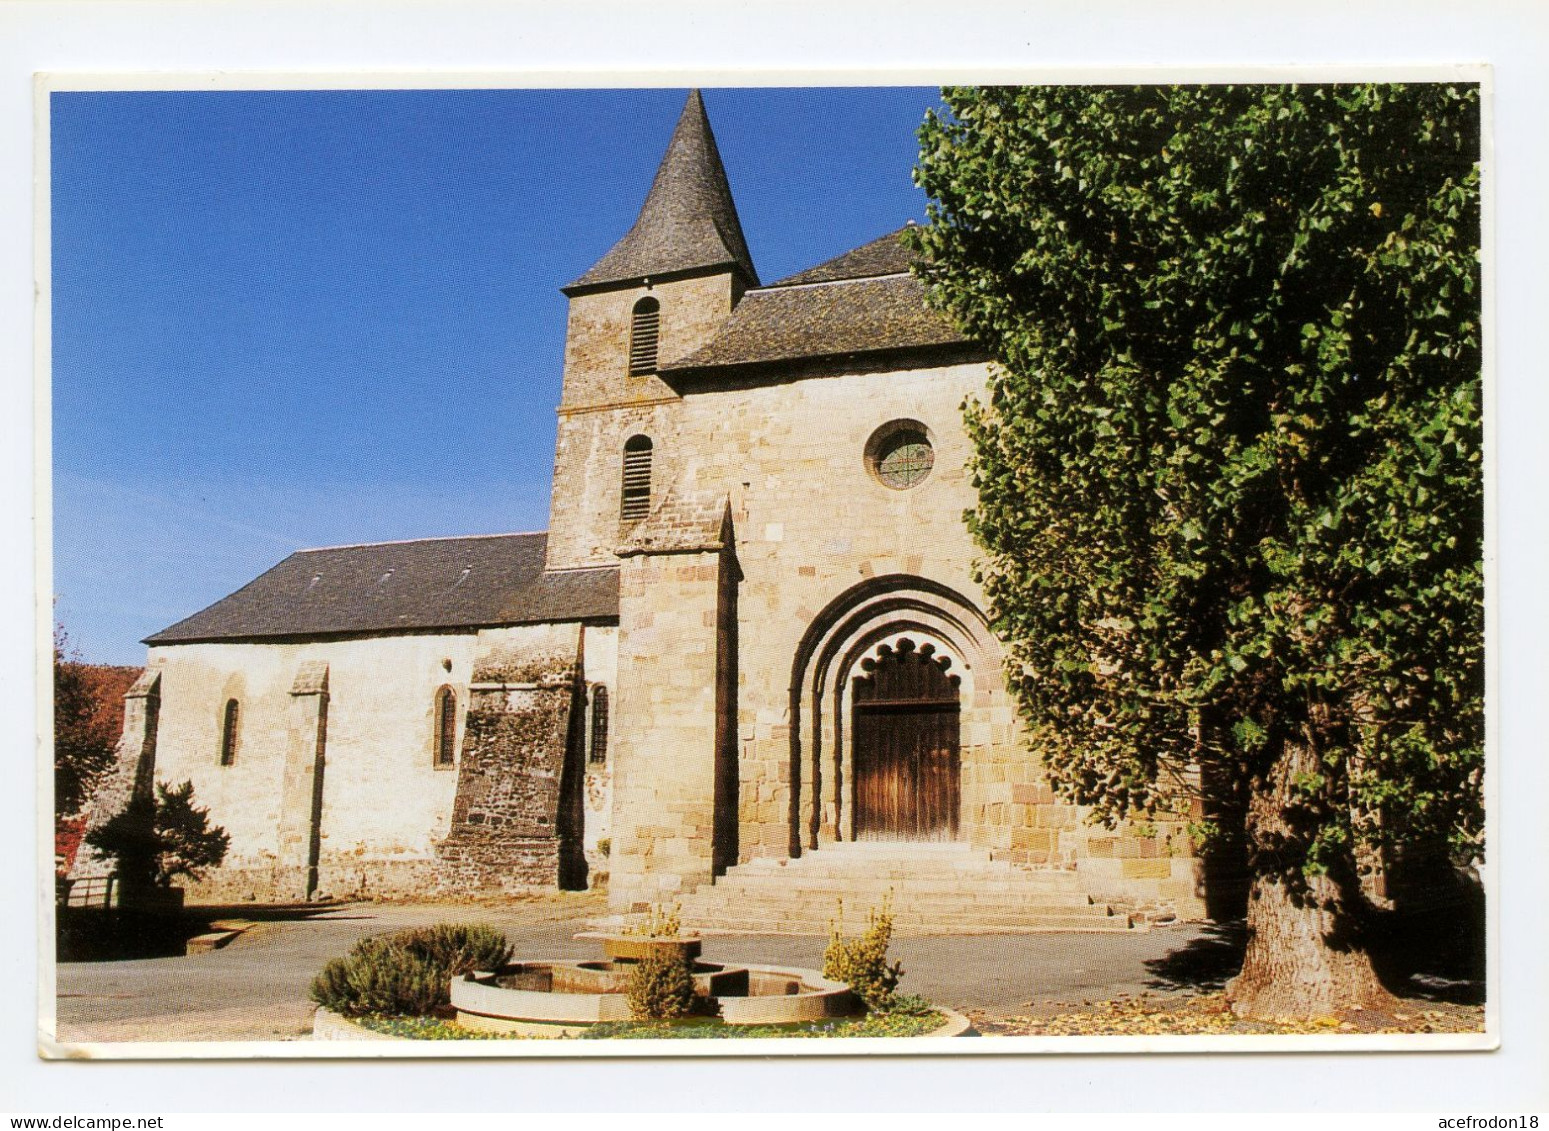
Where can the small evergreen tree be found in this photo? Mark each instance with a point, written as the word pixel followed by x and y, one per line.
pixel 156 841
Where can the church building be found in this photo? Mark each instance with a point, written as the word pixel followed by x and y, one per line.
pixel 747 662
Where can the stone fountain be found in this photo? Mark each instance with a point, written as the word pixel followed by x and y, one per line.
pixel 553 997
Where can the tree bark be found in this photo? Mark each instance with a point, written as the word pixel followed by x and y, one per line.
pixel 1304 957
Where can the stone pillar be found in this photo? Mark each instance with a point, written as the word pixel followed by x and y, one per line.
pixel 675 778
pixel 133 774
pixel 301 788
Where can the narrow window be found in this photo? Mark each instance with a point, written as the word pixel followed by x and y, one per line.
pixel 446 727
pixel 644 333
pixel 599 752
pixel 637 479
pixel 229 733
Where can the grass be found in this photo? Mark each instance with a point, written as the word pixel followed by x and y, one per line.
pixel 915 1023
pixel 1208 1015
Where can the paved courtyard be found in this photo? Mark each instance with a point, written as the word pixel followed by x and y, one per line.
pixel 256 987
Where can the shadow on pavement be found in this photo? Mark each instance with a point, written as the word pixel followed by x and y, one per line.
pixel 1434 954
pixel 1203 964
pixel 114 934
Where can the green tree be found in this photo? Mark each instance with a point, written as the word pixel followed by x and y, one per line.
pixel 154 841
pixel 1229 468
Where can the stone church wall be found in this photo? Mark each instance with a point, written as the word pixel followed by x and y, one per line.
pixel 812 521
pixel 601 672
pixel 384 810
pixel 664 776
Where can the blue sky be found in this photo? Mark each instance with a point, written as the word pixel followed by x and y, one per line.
pixel 288 319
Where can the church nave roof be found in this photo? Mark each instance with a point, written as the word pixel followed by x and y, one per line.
pixel 430 583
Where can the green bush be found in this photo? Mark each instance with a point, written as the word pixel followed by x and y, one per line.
pixel 459 948
pixel 408 973
pixel 911 1005
pixel 661 987
pixel 862 963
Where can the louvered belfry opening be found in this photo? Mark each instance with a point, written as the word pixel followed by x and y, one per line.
pixel 644 336
pixel 637 479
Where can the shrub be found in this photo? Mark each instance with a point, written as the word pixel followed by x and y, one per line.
pixel 408 973
pixel 910 1005
pixel 381 977
pixel 862 963
pixel 661 987
pixel 459 948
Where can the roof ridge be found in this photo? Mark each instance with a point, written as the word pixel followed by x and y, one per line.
pixel 411 541
pixel 784 286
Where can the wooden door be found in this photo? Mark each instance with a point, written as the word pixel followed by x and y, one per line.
pixel 905 728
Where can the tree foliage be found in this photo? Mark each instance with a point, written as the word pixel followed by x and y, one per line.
pixel 154 841
pixel 88 718
pixel 1229 468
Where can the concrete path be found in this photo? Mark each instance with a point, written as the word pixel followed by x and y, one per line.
pixel 256 988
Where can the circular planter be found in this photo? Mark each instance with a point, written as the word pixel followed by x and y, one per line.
pixel 330 1026
pixel 634 948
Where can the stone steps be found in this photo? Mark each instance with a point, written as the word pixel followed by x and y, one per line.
pixel 930 888
pixel 901 881
pixel 983 925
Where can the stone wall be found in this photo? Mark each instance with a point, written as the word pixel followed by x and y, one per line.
pixel 601 673
pixel 132 773
pixel 520 752
pixel 669 658
pixel 335 789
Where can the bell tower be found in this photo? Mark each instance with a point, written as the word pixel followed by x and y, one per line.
pixel 658 294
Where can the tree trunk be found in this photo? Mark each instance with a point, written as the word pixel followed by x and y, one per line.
pixel 1304 957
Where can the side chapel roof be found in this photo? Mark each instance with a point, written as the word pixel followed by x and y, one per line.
pixel 689 220
pixel 432 583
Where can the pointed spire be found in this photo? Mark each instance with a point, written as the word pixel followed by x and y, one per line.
pixel 688 222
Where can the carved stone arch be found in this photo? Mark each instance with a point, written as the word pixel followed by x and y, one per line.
pixel 837 639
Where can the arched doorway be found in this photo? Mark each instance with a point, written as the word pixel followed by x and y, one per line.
pixel 850 630
pixel 905 725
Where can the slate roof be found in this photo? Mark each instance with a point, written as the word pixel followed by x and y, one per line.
pixel 688 222
pixel 862 302
pixel 445 583
pixel 885 255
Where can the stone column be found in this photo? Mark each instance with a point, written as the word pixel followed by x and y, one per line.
pixel 675 777
pixel 133 774
pixel 301 789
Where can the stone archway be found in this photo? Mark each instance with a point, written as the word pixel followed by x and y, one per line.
pixel 849 631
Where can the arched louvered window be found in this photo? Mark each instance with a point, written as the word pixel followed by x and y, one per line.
pixel 446 727
pixel 599 750
pixel 229 732
pixel 636 502
pixel 644 333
